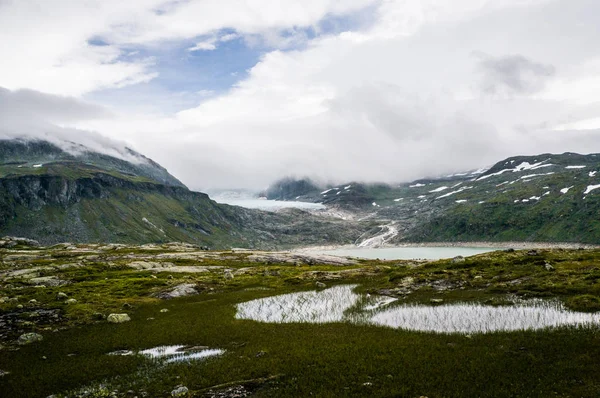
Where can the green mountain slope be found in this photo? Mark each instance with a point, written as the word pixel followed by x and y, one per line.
pixel 52 196
pixel 548 197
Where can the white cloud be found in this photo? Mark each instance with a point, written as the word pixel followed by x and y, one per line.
pixel 44 44
pixel 399 99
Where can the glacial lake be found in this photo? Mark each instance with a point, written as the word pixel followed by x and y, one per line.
pixel 406 253
pixel 268 205
pixel 342 304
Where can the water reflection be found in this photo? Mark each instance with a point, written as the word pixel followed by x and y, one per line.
pixel 342 304
pixel 314 307
pixel 174 353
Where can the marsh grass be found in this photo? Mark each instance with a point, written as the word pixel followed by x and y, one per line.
pixel 324 360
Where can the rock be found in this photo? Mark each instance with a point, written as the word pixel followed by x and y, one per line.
pixel 321 285
pixel 20 306
pixel 62 296
pixel 458 259
pixel 29 338
pixel 183 290
pixel 126 305
pixel 509 250
pixel 532 253
pixel 33 301
pixel 4 300
pixel 181 391
pixel 51 281
pixel 98 316
pixel 71 301
pixel 170 277
pixel 118 318
pixel 260 354
pixel 548 266
pixel 164 310
pixel 3 373
pixel 228 275
pixel 436 301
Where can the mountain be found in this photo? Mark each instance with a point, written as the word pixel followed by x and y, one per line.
pixel 548 197
pixel 53 194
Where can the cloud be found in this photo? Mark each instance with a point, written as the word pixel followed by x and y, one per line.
pixel 512 74
pixel 392 100
pixel 53 46
pixel 30 115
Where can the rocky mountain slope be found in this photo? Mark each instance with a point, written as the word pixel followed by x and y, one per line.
pixel 547 197
pixel 53 195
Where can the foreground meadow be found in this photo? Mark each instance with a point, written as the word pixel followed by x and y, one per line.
pixel 179 295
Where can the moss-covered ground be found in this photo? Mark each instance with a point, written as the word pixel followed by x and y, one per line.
pixel 286 360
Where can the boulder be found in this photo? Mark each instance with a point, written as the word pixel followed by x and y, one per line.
pixel 321 285
pixel 458 259
pixel 62 296
pixel 181 391
pixel 29 338
pixel 185 289
pixel 118 318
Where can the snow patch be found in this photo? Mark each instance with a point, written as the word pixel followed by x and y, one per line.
pixel 565 190
pixel 36 166
pixel 461 201
pixel 454 192
pixel 592 173
pixel 590 188
pixel 575 167
pixel 416 185
pixel 440 189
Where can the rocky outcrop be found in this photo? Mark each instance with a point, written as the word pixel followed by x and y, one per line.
pixel 185 289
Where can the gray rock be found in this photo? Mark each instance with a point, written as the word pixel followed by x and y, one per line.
pixel 118 318
pixel 164 310
pixel 183 290
pixel 458 259
pixel 321 285
pixel 29 338
pixel 181 391
pixel 436 301
pixel 548 266
pixel 62 296
pixel 228 275
pixel 51 281
pixel 71 301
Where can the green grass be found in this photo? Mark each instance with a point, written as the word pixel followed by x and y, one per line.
pixel 303 360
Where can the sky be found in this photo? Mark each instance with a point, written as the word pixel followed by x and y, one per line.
pixel 240 93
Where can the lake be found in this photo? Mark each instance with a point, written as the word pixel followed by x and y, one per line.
pixel 269 205
pixel 405 253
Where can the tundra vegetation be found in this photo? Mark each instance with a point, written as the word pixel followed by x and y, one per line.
pixel 61 299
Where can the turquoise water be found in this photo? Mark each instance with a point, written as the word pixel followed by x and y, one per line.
pixel 409 253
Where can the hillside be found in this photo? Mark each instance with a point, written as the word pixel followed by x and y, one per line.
pixel 54 196
pixel 548 197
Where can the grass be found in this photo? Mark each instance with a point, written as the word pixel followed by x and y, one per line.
pixel 328 360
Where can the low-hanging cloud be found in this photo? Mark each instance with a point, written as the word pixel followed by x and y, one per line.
pixel 31 115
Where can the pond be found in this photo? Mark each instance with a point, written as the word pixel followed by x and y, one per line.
pixel 342 304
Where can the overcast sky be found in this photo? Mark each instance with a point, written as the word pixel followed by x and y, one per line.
pixel 238 93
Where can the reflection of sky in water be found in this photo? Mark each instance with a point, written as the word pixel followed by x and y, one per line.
pixel 174 353
pixel 340 303
pixel 179 353
pixel 315 307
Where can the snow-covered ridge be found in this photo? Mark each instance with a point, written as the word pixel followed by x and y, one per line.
pixel 521 167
